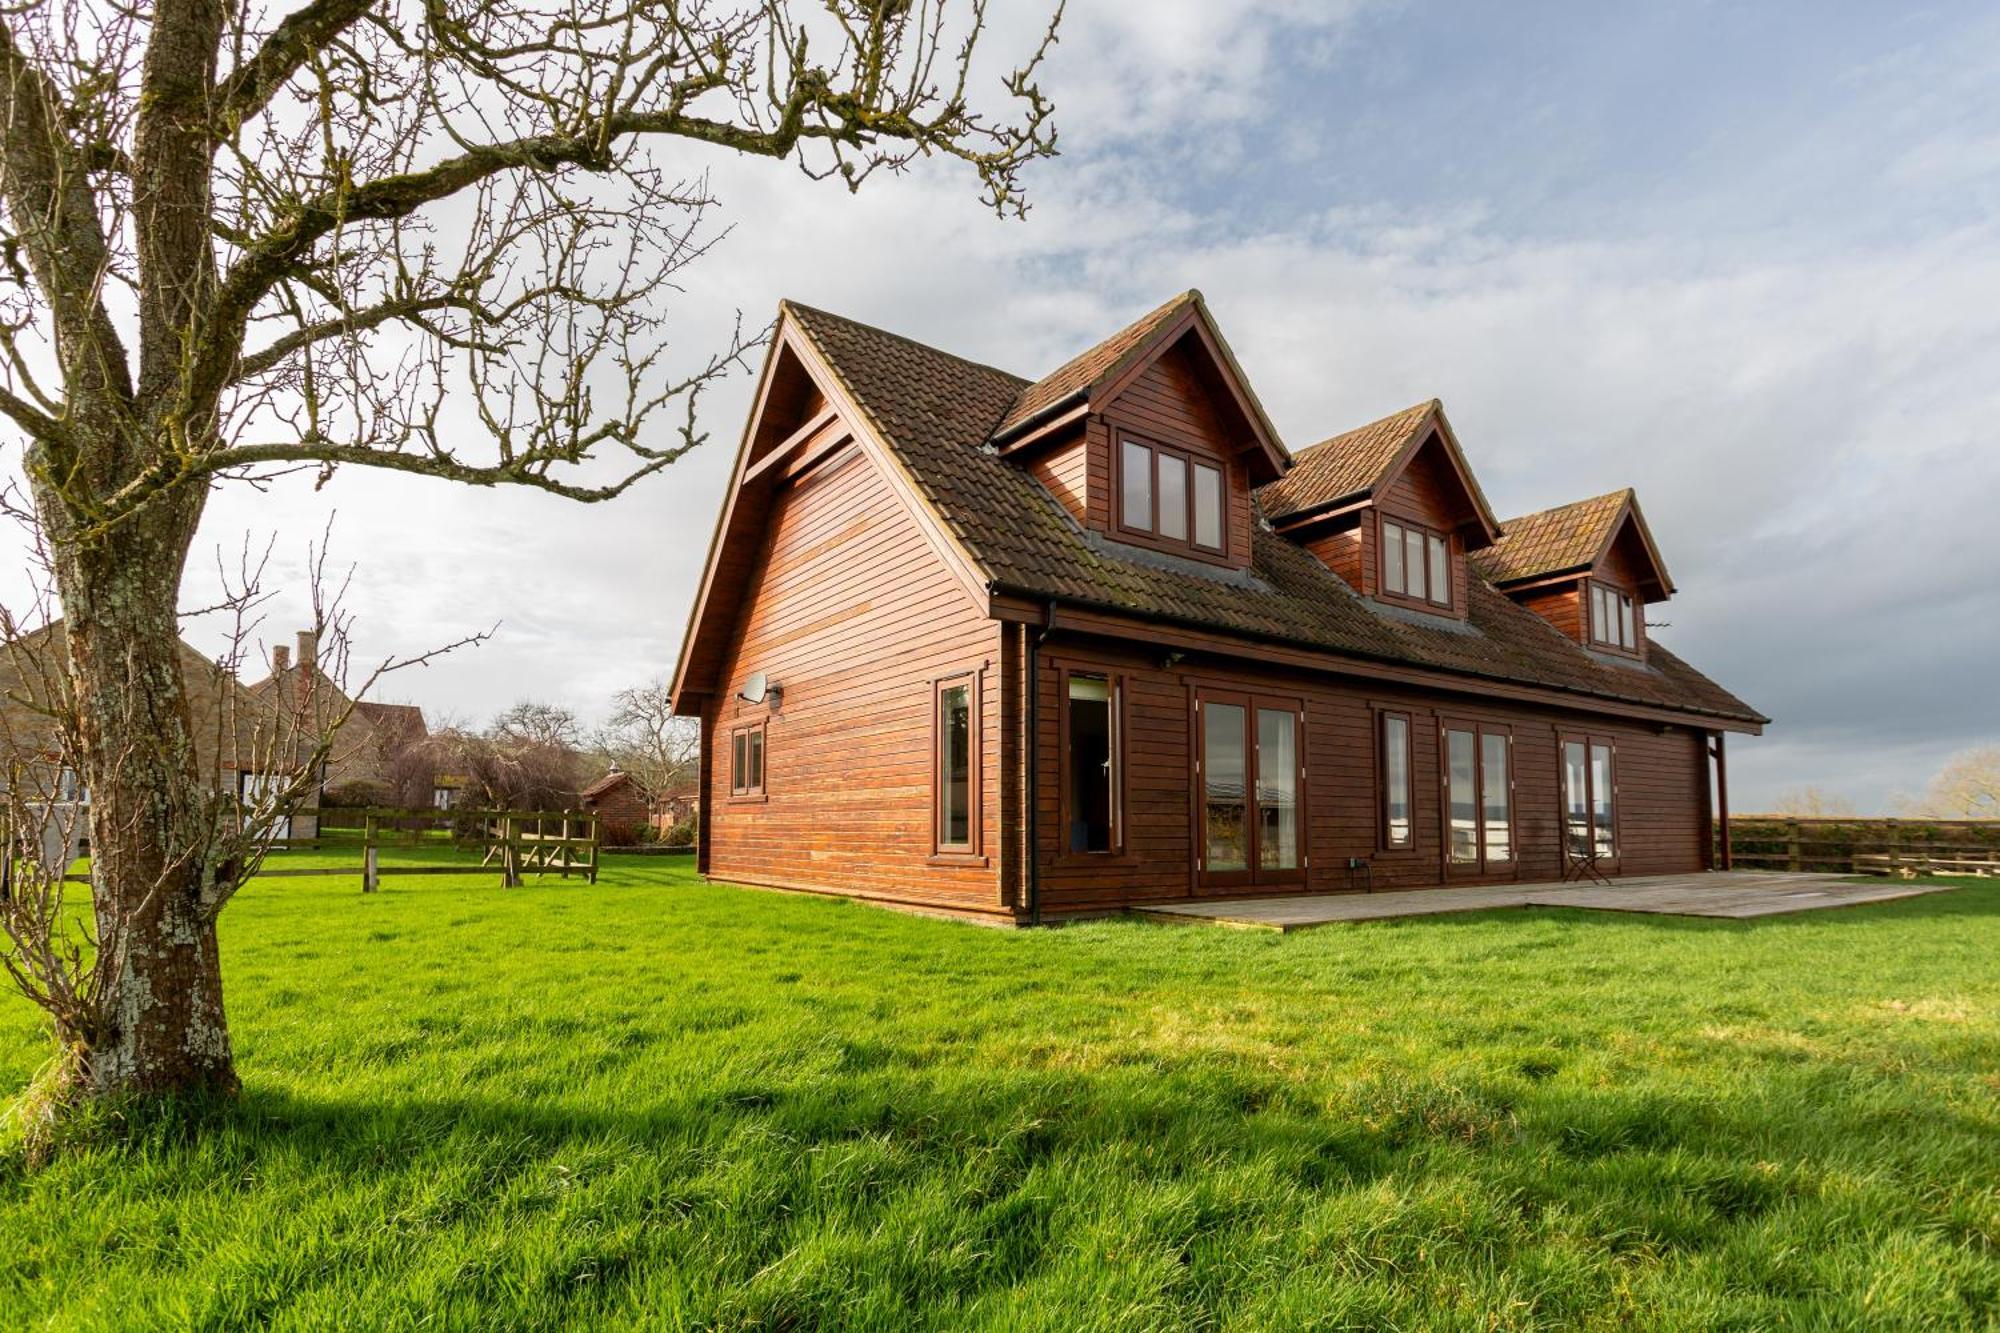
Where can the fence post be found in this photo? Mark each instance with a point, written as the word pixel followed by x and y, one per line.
pixel 370 873
pixel 510 864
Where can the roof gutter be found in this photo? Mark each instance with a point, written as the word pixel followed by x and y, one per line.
pixel 1050 603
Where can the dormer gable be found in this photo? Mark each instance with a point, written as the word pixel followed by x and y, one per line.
pixel 1153 438
pixel 1589 568
pixel 1392 507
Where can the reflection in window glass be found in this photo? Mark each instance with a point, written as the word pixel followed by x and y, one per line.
pixel 1576 798
pixel 1173 497
pixel 1440 570
pixel 1277 790
pixel 1462 799
pixel 1392 557
pixel 739 762
pixel 1495 794
pixel 756 782
pixel 1627 637
pixel 1092 752
pixel 1601 813
pixel 1136 474
pixel 1207 507
pixel 1413 561
pixel 955 766
pixel 1396 780
pixel 1225 821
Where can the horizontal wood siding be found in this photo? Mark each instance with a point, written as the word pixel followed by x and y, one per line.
pixel 1662 779
pixel 855 616
pixel 1561 606
pixel 1064 471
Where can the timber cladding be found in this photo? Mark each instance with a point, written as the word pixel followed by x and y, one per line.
pixel 936 665
pixel 856 632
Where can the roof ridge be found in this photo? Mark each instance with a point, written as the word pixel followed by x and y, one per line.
pixel 1427 405
pixel 1056 387
pixel 787 303
pixel 1621 493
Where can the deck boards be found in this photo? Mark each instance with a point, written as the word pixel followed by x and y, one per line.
pixel 1737 895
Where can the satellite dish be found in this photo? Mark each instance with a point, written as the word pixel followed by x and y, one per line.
pixel 754 688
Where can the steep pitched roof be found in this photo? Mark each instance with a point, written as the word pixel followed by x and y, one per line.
pixel 1080 372
pixel 1352 463
pixel 1568 538
pixel 935 413
pixel 403 719
pixel 605 784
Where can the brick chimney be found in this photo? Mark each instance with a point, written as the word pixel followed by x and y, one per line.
pixel 281 658
pixel 308 648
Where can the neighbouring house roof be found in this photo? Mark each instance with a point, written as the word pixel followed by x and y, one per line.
pixel 394 720
pixel 608 782
pixel 1566 539
pixel 936 413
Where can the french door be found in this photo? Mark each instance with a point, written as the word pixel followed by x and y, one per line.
pixel 1477 772
pixel 1249 790
pixel 1590 800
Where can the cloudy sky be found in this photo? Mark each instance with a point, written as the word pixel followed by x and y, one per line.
pixel 1744 258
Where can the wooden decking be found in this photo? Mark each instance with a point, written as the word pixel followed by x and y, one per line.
pixel 1737 895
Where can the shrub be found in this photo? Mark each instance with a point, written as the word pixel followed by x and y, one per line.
pixel 680 835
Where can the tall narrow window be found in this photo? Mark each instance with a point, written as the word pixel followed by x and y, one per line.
pixel 1462 798
pixel 1277 789
pixel 1440 581
pixel 1173 497
pixel 1602 817
pixel 1393 576
pixel 1396 827
pixel 1093 764
pixel 746 760
pixel 1225 788
pixel 1136 481
pixel 1413 560
pixel 1497 798
pixel 1576 797
pixel 1208 507
pixel 955 772
pixel 1590 797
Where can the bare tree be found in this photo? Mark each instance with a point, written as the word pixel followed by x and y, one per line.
pixel 532 722
pixel 1967 787
pixel 643 737
pixel 237 244
pixel 1812 802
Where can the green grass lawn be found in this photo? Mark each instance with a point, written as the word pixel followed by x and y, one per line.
pixel 656 1103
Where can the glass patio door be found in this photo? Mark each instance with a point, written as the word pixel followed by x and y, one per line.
pixel 1478 800
pixel 1590 800
pixel 1249 783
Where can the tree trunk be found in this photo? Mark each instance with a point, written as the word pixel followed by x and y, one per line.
pixel 159 1025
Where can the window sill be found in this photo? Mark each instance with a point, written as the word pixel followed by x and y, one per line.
pixel 747 798
pixel 972 860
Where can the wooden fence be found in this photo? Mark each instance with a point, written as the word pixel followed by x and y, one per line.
pixel 1852 846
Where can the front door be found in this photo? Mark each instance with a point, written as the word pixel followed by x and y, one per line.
pixel 1249 785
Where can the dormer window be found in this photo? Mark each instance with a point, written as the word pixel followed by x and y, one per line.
pixel 1613 623
pixel 1169 495
pixel 1416 563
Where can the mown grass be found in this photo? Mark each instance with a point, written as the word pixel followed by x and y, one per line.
pixel 656 1103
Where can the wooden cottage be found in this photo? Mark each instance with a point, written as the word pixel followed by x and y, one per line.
pixel 1033 649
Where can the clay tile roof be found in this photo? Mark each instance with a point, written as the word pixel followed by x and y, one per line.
pixel 1349 464
pixel 1080 373
pixel 1553 541
pixel 604 784
pixel 935 412
pixel 407 718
